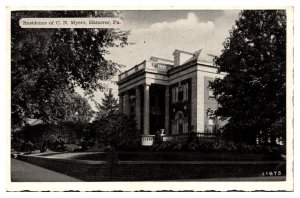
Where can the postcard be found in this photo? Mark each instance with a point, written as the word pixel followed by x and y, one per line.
pixel 170 99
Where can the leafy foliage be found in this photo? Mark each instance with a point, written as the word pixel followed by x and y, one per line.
pixel 109 105
pixel 252 94
pixel 45 60
pixel 69 107
pixel 54 137
pixel 117 130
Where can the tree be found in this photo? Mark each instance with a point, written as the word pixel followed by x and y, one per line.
pixel 53 136
pixel 118 131
pixel 109 105
pixel 69 107
pixel 252 94
pixel 45 60
pixel 70 124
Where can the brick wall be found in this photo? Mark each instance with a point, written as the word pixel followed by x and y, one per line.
pixel 153 170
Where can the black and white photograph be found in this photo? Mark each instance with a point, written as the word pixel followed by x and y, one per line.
pixel 151 95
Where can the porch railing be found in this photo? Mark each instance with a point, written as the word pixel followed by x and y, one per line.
pixel 206 135
pixel 147 140
pixel 185 136
pixel 144 65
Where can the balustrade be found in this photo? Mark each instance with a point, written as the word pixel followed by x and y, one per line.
pixel 147 140
pixel 144 65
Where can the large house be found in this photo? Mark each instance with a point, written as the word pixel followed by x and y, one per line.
pixel 172 96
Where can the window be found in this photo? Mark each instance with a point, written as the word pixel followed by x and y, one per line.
pixel 180 122
pixel 211 93
pixel 211 121
pixel 185 125
pixel 180 93
pixel 186 90
pixel 174 127
pixel 180 128
pixel 211 124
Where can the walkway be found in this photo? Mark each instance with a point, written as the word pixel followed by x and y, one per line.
pixel 25 172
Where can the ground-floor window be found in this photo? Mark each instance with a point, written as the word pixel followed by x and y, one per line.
pixel 211 124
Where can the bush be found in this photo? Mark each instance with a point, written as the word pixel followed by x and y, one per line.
pixel 72 147
pixel 192 142
pixel 178 145
pixel 52 136
pixel 17 141
pixel 117 130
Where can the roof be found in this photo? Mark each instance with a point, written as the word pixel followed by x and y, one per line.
pixel 181 51
pixel 202 55
pixel 154 58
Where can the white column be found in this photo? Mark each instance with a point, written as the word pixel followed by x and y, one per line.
pixel 138 108
pixel 146 109
pixel 121 103
pixel 167 109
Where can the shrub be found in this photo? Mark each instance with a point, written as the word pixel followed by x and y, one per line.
pixel 117 130
pixel 192 142
pixel 72 147
pixel 52 136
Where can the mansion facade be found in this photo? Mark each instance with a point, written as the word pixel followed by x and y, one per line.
pixel 171 96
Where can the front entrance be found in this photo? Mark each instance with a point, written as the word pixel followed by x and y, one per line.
pixel 180 124
pixel 157 108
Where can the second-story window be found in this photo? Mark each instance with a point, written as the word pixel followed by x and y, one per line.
pixel 180 93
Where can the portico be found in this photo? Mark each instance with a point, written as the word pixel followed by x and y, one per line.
pixel 144 103
pixel 140 96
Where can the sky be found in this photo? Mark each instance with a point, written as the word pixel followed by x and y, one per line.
pixel 159 33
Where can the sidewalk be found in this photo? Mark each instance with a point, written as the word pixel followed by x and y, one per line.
pixel 25 172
